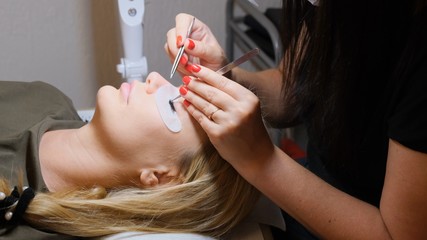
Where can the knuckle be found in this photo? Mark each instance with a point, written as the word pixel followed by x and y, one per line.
pixel 179 16
pixel 195 113
pixel 216 134
pixel 203 50
pixel 205 109
pixel 252 101
pixel 169 33
pixel 210 94
pixel 223 83
pixel 190 110
pixel 233 125
pixel 199 118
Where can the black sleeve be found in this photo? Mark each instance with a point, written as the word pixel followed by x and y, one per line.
pixel 407 123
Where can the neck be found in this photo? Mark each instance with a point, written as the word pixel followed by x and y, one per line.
pixel 74 157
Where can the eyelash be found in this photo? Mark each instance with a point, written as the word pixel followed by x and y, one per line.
pixel 172 105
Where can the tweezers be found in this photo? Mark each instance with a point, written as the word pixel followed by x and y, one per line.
pixel 245 57
pixel 181 50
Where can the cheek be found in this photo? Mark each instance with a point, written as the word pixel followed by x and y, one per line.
pixel 144 112
pixel 129 133
pixel 143 120
pixel 193 135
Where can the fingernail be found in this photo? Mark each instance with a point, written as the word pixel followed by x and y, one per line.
pixel 186 103
pixel 196 68
pixel 183 90
pixel 189 67
pixel 191 44
pixel 179 41
pixel 186 80
pixel 183 60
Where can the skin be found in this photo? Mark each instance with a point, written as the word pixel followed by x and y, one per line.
pixel 213 55
pixel 326 211
pixel 123 145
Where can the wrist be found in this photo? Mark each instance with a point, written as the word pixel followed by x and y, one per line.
pixel 259 174
pixel 254 169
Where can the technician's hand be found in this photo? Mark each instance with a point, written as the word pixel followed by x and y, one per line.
pixel 230 114
pixel 201 47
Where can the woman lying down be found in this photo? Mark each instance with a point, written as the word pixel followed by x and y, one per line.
pixel 123 171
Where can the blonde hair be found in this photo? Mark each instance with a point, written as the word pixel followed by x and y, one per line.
pixel 211 200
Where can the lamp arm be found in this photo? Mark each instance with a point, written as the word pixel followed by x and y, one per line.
pixel 133 65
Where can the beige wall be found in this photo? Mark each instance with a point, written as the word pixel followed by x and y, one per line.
pixel 75 45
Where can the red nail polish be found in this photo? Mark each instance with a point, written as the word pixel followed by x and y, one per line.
pixel 183 60
pixel 186 80
pixel 186 103
pixel 179 41
pixel 191 44
pixel 189 67
pixel 196 68
pixel 183 90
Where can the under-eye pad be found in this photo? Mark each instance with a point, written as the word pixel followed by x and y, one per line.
pixel 169 116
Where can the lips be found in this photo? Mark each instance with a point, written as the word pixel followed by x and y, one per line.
pixel 125 91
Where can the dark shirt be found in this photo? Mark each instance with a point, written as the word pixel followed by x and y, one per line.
pixel 29 110
pixel 392 108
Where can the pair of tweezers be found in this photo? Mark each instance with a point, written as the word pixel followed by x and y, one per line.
pixel 181 50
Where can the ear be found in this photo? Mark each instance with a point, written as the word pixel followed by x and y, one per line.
pixel 148 178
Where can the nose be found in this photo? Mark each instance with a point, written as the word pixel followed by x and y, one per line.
pixel 153 81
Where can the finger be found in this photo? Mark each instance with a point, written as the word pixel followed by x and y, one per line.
pixel 207 95
pixel 182 64
pixel 182 67
pixel 201 50
pixel 168 53
pixel 170 46
pixel 182 23
pixel 175 37
pixel 232 88
pixel 172 50
pixel 207 125
pixel 199 102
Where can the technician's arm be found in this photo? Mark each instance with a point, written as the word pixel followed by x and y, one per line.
pixel 332 214
pixel 325 210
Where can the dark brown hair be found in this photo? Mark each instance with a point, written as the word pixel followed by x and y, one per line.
pixel 338 58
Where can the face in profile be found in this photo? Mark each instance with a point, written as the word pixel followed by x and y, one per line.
pixel 128 122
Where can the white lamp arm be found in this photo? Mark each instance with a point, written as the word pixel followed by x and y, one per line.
pixel 133 65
